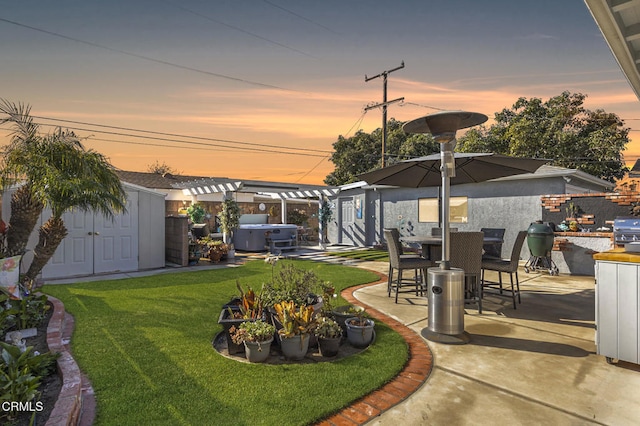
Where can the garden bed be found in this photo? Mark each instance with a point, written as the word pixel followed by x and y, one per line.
pixel 49 386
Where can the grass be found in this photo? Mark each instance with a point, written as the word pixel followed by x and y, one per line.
pixel 367 254
pixel 145 344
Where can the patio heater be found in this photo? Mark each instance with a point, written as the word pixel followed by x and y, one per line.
pixel 445 285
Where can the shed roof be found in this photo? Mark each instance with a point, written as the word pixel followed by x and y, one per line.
pixel 154 180
pixel 200 185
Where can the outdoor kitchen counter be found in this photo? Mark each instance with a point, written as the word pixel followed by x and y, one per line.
pixel 618 255
pixel 573 251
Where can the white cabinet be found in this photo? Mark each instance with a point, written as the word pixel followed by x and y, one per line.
pixel 618 310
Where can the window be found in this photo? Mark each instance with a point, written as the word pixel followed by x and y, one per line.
pixel 428 210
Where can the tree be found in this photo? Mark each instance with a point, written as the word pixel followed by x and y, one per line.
pixel 59 173
pixel 361 152
pixel 161 168
pixel 560 130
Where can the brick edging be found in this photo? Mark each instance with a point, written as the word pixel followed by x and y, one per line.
pixel 69 403
pixel 414 373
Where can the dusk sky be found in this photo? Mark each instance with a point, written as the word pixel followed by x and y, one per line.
pixel 261 89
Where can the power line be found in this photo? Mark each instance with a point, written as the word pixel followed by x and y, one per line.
pixel 129 129
pixel 208 148
pixel 148 58
pixel 299 16
pixel 192 142
pixel 312 169
pixel 238 29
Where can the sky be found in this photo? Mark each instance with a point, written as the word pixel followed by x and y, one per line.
pixel 261 89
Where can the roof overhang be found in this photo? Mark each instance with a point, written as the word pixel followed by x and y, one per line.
pixel 619 22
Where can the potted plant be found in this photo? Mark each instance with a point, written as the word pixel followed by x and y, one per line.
pixel 341 313
pixel 329 334
pixel 297 324
pixel 246 307
pixel 325 214
pixel 229 221
pixel 196 213
pixel 256 336
pixel 359 330
pixel 217 250
pixel 292 284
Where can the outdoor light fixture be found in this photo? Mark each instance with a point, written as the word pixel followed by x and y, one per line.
pixel 445 286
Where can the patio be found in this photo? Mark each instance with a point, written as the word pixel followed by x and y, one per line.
pixel 533 365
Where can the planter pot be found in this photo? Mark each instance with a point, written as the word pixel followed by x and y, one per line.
pixel 227 322
pixel 340 315
pixel 359 336
pixel 257 351
pixel 295 348
pixel 215 256
pixel 329 346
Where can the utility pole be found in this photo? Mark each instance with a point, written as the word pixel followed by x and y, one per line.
pixel 384 104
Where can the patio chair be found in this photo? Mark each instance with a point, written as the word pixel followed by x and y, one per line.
pixel 466 254
pixel 493 250
pixel 505 265
pixel 400 261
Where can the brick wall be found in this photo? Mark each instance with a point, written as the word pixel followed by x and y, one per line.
pixel 594 210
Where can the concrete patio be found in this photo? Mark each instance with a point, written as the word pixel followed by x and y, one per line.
pixel 533 365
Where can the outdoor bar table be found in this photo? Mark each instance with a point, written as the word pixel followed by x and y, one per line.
pixel 427 241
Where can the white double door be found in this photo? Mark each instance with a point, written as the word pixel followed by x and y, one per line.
pixel 96 245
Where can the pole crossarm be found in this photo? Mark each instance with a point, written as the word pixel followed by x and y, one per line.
pixel 378 105
pixel 383 104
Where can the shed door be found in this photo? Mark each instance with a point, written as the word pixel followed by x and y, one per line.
pixel 346 221
pixel 74 255
pixel 116 242
pixel 96 245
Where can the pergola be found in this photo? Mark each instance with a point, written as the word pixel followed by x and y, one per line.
pixel 275 190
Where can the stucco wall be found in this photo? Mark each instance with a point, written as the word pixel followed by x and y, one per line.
pixel 510 204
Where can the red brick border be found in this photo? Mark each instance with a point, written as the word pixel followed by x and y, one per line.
pixel 413 375
pixel 68 407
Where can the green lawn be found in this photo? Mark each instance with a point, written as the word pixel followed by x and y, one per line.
pixel 145 344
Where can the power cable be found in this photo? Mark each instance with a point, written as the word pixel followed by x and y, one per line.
pixel 129 129
pixel 208 148
pixel 299 16
pixel 189 142
pixel 208 18
pixel 312 169
pixel 147 58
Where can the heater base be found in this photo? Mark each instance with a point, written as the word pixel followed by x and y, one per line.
pixel 448 339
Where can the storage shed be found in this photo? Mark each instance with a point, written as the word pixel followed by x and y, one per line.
pixel 94 245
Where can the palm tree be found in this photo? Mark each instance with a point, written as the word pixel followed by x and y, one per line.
pixel 62 175
pixel 25 208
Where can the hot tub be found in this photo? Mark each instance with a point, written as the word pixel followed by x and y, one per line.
pixel 252 237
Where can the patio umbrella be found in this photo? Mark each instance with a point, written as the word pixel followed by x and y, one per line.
pixel 470 167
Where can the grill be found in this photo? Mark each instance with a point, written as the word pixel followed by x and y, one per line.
pixel 626 230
